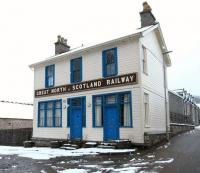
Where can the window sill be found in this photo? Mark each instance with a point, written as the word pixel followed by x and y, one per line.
pixel 110 76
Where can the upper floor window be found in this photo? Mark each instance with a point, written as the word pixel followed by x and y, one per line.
pixel 49 75
pixel 76 70
pixel 144 60
pixel 110 62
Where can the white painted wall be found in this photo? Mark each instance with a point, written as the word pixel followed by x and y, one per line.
pixel 153 83
pixel 129 60
pixel 90 133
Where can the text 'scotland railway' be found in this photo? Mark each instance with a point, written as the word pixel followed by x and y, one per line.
pixel 89 85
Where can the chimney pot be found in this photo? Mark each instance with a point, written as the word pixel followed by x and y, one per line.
pixel 147 18
pixel 61 45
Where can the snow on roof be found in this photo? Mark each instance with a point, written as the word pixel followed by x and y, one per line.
pixel 94 45
pixel 175 93
pixel 8 110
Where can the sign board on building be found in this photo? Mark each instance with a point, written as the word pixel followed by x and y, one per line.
pixel 126 79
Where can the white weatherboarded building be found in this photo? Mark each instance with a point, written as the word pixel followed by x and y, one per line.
pixel 108 91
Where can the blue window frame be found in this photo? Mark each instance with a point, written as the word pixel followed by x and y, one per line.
pixel 78 102
pixel 121 100
pixel 49 76
pixel 50 113
pixel 125 110
pixel 110 62
pixel 76 70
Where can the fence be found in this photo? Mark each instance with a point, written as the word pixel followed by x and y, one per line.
pixel 15 137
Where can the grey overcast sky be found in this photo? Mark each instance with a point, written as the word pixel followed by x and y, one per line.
pixel 29 28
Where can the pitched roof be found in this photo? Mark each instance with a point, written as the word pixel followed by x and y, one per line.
pixel 137 32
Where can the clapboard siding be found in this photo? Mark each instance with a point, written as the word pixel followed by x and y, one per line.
pixel 156 112
pixel 154 79
pixel 128 60
pixel 90 133
pixel 153 83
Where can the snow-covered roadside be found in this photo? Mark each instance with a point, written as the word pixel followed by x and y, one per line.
pixel 197 127
pixel 47 153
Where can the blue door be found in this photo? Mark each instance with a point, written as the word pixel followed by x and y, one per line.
pixel 111 120
pixel 76 123
pixel 76 111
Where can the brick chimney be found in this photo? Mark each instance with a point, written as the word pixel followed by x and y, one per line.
pixel 61 45
pixel 147 18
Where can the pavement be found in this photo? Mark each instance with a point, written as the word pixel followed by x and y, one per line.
pixel 180 155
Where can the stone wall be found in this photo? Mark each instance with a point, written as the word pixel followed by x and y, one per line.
pixel 180 128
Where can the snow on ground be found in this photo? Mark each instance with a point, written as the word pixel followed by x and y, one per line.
pixel 164 146
pixel 197 127
pixel 42 171
pixel 151 156
pixel 107 162
pixel 90 166
pixel 73 171
pixel 164 161
pixel 47 153
pixel 128 170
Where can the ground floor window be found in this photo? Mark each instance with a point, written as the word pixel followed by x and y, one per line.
pixel 125 110
pixel 146 110
pixel 121 101
pixel 98 114
pixel 50 113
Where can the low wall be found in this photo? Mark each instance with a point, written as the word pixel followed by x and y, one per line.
pixel 45 142
pixel 15 137
pixel 152 138
pixel 176 128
